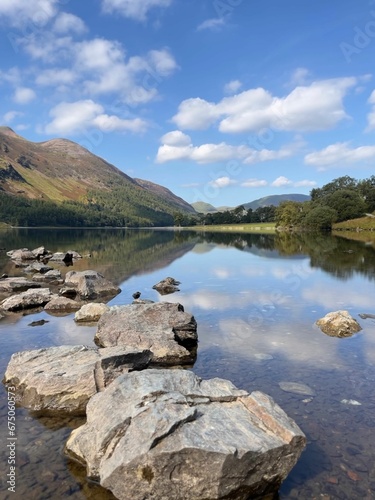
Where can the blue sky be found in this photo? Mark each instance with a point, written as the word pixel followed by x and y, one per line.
pixel 223 101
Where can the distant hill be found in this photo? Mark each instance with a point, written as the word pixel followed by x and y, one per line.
pixel 61 171
pixel 203 207
pixel 275 200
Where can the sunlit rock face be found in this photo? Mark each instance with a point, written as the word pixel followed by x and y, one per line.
pixel 339 324
pixel 168 434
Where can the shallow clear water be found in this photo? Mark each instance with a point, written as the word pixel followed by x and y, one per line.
pixel 256 299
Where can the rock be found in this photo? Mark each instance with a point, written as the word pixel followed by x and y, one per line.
pixel 136 295
pixel 66 257
pixel 91 312
pixel 40 322
pixel 296 388
pixel 164 328
pixel 61 380
pixel 352 402
pixel 16 284
pixel 89 285
pixel 40 253
pixel 21 254
pixel 62 304
pixel 37 267
pixel 48 276
pixel 166 434
pixel 366 316
pixel 143 301
pixel 339 324
pixel 167 286
pixel 27 300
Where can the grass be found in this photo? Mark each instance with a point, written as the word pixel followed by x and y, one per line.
pixel 360 224
pixel 264 227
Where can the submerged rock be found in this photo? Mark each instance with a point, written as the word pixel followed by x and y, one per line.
pixel 27 300
pixel 61 380
pixel 167 286
pixel 89 285
pixel 297 388
pixel 166 434
pixel 339 324
pixel 164 328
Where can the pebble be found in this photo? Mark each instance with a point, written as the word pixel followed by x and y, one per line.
pixel 351 402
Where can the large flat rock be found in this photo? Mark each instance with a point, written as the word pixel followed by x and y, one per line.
pixel 88 285
pixel 28 300
pixel 164 328
pixel 61 380
pixel 166 434
pixel 16 285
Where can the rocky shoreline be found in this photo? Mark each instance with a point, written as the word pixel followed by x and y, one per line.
pixel 154 429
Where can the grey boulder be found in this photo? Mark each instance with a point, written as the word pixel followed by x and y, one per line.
pixel 339 324
pixel 16 284
pixel 88 285
pixel 166 434
pixel 28 300
pixel 61 380
pixel 90 312
pixel 167 286
pixel 62 304
pixel 21 254
pixel 164 328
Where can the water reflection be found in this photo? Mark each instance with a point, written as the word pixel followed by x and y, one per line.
pixel 256 299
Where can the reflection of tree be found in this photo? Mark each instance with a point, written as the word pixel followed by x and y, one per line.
pixel 121 253
pixel 118 254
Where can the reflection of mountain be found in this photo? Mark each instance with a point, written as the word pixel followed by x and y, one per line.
pixel 118 254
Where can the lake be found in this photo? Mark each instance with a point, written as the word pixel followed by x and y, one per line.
pixel 256 299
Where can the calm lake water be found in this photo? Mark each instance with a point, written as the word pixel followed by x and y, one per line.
pixel 256 299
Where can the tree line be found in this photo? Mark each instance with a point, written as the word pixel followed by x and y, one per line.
pixel 342 199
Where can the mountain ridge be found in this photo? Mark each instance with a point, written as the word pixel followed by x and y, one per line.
pixel 60 170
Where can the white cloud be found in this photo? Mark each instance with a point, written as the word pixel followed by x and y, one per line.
pixel 340 154
pixel 254 183
pixel 222 182
pixel 54 77
pixel 69 23
pixel 34 13
pixel 11 116
pixel 232 87
pixel 23 95
pixel 176 138
pixel 178 146
pixel 214 23
pixel 318 106
pixel 371 115
pixel 299 76
pixel 134 9
pixel 70 118
pixel 281 182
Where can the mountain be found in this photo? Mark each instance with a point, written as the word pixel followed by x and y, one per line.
pixel 61 171
pixel 203 207
pixel 166 194
pixel 275 200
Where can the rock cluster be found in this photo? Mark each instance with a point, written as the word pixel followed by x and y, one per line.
pixel 150 433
